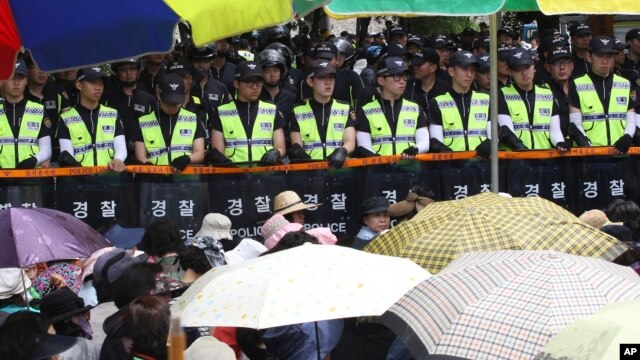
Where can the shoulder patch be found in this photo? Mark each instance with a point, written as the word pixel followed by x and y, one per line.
pixel 353 115
pixel 47 123
pixel 633 95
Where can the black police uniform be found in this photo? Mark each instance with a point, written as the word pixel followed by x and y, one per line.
pixel 415 93
pixel 347 88
pixel 130 109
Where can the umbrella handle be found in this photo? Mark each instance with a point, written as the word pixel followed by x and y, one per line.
pixel 24 287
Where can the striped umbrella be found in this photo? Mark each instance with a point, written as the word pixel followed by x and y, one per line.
pixel 505 304
pixel 487 222
pixel 352 8
pixel 67 34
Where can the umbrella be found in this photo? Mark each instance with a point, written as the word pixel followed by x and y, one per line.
pixel 32 235
pixel 304 284
pixel 487 222
pixel 597 336
pixel 69 34
pixel 341 9
pixel 505 304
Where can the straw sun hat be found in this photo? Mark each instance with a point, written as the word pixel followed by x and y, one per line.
pixel 288 202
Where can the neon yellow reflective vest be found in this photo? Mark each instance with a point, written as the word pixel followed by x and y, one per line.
pixel 311 140
pixel 85 150
pixel 382 140
pixel 25 144
pixel 183 133
pixel 603 129
pixel 247 55
pixel 535 136
pixel 237 146
pixel 455 136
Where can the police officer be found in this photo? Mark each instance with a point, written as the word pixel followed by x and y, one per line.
pixel 275 89
pixel 170 135
pixel 211 92
pixel 191 102
pixel 346 52
pixel 91 134
pixel 247 129
pixel 426 85
pixel 222 68
pixel 154 66
pixel 527 115
pixel 389 124
pixel 632 38
pixel 482 81
pixel 322 128
pixel 348 84
pixel 292 76
pixel 128 99
pixel 580 39
pixel 25 140
pixel 600 111
pixel 243 50
pixel 459 118
pixel 39 89
pixel 504 74
pixel 559 63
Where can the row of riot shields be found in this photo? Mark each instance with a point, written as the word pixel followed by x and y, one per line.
pixel 135 200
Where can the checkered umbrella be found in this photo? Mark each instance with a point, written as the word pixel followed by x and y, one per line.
pixel 505 304
pixel 487 222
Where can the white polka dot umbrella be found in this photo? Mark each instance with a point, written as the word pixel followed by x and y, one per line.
pixel 304 284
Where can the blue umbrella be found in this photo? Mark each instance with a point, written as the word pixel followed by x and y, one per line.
pixel 66 34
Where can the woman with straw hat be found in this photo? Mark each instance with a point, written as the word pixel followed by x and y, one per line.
pixel 289 205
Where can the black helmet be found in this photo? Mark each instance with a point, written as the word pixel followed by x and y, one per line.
pixel 276 34
pixel 344 47
pixel 203 52
pixel 270 58
pixel 116 65
pixel 284 50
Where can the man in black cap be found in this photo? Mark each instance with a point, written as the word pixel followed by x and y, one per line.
pixel 223 68
pixel 211 92
pixel 504 75
pixel 445 48
pixel 39 89
pixel 559 63
pixel 482 81
pixel 348 83
pixel 170 135
pixel 192 102
pixel 154 66
pixel 380 40
pixel 481 45
pixel 632 38
pixel 426 85
pixel 548 44
pixel 247 129
pixel 91 134
pixel 414 44
pixel 128 99
pixel 26 140
pixel 468 37
pixel 601 112
pixel 580 39
pixel 527 114
pixel 389 124
pixel 322 128
pixel 507 35
pixel 459 118
pixel 398 34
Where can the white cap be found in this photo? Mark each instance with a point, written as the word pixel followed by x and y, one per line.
pixel 246 250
